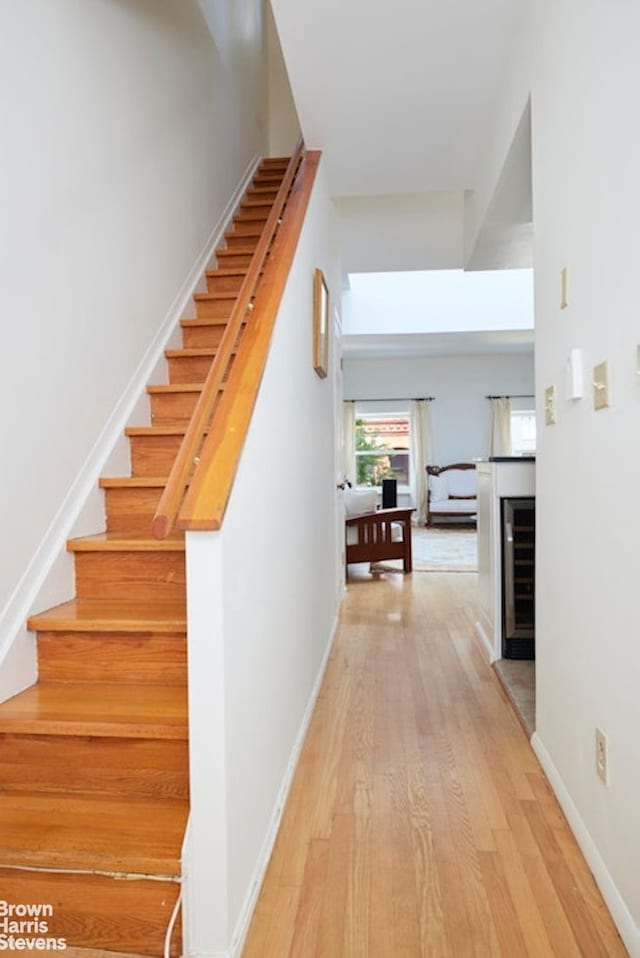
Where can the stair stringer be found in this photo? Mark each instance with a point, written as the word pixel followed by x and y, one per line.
pixel 49 580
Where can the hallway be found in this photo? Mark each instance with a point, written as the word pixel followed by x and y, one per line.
pixel 419 821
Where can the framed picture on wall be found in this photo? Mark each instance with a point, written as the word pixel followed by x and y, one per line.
pixel 320 324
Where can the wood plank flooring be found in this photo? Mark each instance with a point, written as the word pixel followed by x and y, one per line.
pixel 419 821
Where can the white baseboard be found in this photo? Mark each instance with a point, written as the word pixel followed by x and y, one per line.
pixel 486 644
pixel 51 553
pixel 629 931
pixel 246 912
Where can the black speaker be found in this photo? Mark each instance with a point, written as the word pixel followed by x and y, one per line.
pixel 389 493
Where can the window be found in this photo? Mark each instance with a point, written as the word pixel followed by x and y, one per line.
pixel 523 432
pixel 382 448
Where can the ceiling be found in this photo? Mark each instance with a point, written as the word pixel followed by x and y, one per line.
pixel 401 98
pixel 398 95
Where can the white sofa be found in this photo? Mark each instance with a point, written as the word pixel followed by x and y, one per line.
pixel 452 493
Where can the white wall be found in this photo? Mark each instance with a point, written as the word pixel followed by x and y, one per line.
pixel 460 412
pixel 284 126
pixel 267 96
pixel 404 231
pixel 513 104
pixel 125 132
pixel 586 156
pixel 265 618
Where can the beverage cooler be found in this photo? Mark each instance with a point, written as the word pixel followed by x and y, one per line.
pixel 518 578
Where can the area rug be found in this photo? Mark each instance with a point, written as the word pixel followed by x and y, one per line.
pixel 439 550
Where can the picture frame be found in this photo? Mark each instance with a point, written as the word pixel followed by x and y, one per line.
pixel 320 324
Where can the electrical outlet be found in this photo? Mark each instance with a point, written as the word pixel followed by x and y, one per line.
pixel 602 756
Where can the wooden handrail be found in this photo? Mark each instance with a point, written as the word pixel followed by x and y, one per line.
pixel 178 479
pixel 210 487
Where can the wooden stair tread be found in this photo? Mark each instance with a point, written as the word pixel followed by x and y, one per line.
pixel 130 542
pixel 260 193
pixel 173 430
pixel 226 271
pixel 97 709
pixel 71 952
pixel 102 615
pixel 163 388
pixel 122 836
pixel 204 321
pixel 237 251
pixel 132 482
pixel 193 352
pixel 256 233
pixel 212 297
pixel 255 214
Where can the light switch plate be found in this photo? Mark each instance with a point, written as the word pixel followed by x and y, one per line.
pixel 550 405
pixel 601 394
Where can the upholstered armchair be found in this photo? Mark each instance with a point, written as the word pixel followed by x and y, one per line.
pixel 453 492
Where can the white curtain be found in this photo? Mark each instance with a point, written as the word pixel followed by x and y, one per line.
pixel 500 441
pixel 349 441
pixel 420 456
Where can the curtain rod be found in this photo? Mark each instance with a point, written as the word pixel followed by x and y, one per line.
pixel 512 396
pixel 397 399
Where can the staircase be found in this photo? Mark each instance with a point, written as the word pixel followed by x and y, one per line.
pixel 94 757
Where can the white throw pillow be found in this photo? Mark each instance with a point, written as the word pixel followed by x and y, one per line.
pixel 357 502
pixel 439 488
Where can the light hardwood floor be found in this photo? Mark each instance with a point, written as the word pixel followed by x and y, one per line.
pixel 419 821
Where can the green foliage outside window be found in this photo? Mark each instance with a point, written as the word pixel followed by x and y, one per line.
pixel 371 469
